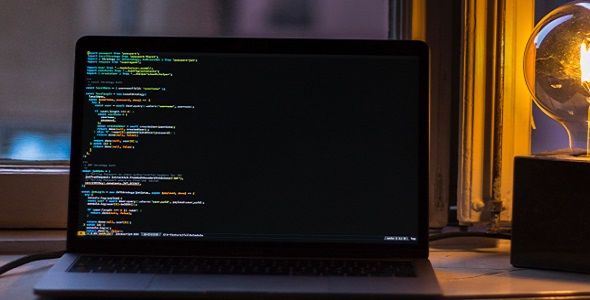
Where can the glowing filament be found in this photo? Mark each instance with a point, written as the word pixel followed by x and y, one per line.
pixel 585 66
pixel 585 81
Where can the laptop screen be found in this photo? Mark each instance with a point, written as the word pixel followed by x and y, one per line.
pixel 200 141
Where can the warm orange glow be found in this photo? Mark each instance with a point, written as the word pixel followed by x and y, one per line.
pixel 585 80
pixel 585 66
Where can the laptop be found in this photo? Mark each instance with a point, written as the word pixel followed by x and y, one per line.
pixel 234 168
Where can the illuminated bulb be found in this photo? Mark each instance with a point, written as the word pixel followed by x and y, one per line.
pixel 557 70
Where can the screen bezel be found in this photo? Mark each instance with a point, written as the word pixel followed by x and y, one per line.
pixel 255 46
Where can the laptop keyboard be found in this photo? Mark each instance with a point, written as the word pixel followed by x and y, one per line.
pixel 235 266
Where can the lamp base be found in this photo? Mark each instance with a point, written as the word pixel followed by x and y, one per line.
pixel 551 213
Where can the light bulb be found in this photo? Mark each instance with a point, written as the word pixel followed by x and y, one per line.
pixel 557 70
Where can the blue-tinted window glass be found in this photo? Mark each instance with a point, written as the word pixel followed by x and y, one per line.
pixel 38 37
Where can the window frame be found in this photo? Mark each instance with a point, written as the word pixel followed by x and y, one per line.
pixel 35 196
pixel 495 109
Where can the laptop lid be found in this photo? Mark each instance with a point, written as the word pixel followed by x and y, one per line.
pixel 258 147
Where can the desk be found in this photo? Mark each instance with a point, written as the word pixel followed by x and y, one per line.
pixel 480 268
pixel 466 268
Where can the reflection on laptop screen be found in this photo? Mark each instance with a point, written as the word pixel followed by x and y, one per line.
pixel 274 147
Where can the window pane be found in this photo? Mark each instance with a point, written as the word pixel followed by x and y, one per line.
pixel 38 37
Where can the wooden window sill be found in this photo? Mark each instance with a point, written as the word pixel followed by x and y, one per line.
pixel 31 241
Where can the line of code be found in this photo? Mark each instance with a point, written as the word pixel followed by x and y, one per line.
pixel 128 105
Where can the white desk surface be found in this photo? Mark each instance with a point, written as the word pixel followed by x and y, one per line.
pixel 467 268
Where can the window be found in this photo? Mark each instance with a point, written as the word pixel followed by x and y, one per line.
pixel 36 59
pixel 38 40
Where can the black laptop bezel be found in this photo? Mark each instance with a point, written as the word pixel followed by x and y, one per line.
pixel 248 45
